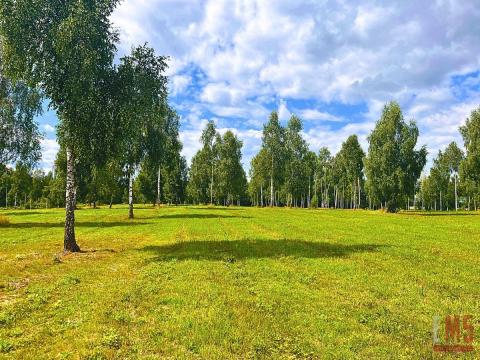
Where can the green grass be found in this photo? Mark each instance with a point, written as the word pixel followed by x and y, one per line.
pixel 220 283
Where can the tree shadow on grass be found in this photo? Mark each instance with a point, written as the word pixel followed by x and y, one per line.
pixel 219 208
pixel 231 250
pixel 200 216
pixel 86 224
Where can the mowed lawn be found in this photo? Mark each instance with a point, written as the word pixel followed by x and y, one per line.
pixel 234 283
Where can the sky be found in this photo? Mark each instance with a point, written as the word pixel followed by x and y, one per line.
pixel 332 63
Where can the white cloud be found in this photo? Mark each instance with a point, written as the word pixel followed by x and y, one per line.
pixel 313 114
pixel 179 83
pixel 252 54
pixel 283 112
pixel 48 128
pixel 49 149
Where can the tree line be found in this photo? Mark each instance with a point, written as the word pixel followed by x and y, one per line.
pixel 286 173
pixel 283 173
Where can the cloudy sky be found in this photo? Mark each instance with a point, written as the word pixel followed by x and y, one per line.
pixel 334 64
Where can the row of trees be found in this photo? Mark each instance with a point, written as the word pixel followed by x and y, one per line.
pixel 286 172
pixel 454 179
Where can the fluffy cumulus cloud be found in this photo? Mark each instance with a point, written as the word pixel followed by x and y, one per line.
pixel 334 64
pixel 49 149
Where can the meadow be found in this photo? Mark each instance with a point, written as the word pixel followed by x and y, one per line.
pixel 234 283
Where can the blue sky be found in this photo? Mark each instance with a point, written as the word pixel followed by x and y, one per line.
pixel 334 64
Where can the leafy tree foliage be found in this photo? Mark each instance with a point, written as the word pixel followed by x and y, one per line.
pixel 273 141
pixel 141 103
pixel 216 173
pixel 393 166
pixel 19 135
pixel 66 48
pixel 348 173
pixel 470 166
pixel 440 190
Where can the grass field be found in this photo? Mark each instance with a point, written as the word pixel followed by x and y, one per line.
pixel 221 283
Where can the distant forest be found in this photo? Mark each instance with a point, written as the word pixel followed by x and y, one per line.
pixel 285 172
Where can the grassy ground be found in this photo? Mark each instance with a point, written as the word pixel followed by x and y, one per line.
pixel 220 283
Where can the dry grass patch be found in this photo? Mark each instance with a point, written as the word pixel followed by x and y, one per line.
pixel 4 220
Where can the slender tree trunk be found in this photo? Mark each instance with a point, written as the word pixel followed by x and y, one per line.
pixel 354 195
pixel 335 196
pixel 261 195
pixel 6 197
pixel 359 193
pixel 272 195
pixel 158 186
pixel 456 197
pixel 211 188
pixel 308 199
pixel 111 201
pixel 69 243
pixel 130 196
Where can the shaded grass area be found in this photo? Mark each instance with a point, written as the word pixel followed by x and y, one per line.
pixel 221 283
pixel 234 250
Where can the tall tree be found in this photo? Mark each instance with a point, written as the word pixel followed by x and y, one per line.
pixel 453 158
pixel 199 180
pixel 210 140
pixel 259 177
pixel 443 178
pixel 231 176
pixel 141 98
pixel 309 165
pixel 349 162
pixel 296 150
pixel 470 166
pixel 392 165
pixel 204 182
pixel 65 48
pixel 273 141
pixel 323 178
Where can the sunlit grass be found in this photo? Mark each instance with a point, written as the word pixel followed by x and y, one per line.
pixel 216 283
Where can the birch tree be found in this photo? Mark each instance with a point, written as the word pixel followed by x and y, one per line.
pixel 259 177
pixel 273 141
pixel 470 166
pixel 393 165
pixel 231 176
pixel 66 49
pixel 203 171
pixel 296 150
pixel 143 91
pixel 323 178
